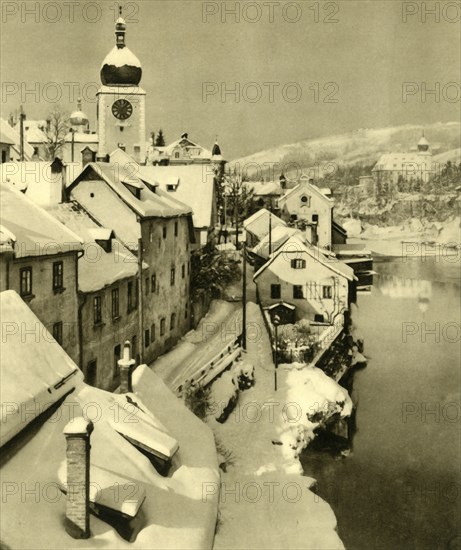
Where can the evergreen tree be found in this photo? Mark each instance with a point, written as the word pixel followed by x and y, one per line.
pixel 160 139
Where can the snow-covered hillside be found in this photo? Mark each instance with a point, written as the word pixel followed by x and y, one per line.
pixel 363 146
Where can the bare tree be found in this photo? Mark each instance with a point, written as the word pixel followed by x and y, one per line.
pixel 239 199
pixel 57 128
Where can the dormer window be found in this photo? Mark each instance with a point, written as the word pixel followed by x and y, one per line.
pixel 135 191
pixel 171 187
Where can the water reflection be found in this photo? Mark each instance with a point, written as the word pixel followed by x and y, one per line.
pixel 399 287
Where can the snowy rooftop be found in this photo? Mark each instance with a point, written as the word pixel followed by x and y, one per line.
pixel 279 235
pixel 404 162
pixel 111 266
pixel 296 246
pixel 174 514
pixel 13 135
pixel 258 223
pixel 36 179
pixel 36 232
pixel 119 57
pixel 193 186
pixel 261 188
pixel 150 204
pixel 31 368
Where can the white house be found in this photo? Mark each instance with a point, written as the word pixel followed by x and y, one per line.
pixel 259 224
pixel 306 207
pixel 299 274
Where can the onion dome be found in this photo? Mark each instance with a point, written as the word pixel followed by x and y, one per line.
pixel 78 117
pixel 423 144
pixel 121 67
pixel 216 150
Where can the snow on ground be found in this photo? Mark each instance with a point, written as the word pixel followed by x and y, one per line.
pixel 265 502
pixel 410 238
pixel 197 346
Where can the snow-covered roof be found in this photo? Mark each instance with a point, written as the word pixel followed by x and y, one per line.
pixel 297 246
pixel 111 266
pixel 36 180
pixel 190 146
pixel 258 223
pixel 35 372
pixel 262 188
pixel 7 240
pixel 174 513
pixel 404 162
pixel 119 57
pixel 5 140
pixel 13 135
pixel 194 185
pixel 35 135
pixel 279 235
pixel 150 204
pixel 306 187
pixel 37 233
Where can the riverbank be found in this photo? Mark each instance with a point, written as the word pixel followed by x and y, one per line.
pixel 399 486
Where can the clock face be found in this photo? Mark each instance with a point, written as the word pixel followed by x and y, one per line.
pixel 122 109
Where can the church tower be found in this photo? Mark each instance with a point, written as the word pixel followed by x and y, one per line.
pixel 121 109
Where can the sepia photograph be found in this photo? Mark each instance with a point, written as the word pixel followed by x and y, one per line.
pixel 230 275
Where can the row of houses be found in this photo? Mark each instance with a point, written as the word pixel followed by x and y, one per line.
pixel 103 255
pixel 297 274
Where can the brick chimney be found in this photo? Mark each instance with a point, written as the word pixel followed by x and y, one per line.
pixel 77 434
pixel 126 364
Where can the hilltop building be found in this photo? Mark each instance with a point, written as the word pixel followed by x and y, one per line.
pixel 393 168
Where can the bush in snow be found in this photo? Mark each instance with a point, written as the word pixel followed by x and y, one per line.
pixel 243 374
pixel 197 399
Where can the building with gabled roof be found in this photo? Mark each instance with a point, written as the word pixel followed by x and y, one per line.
pixel 193 185
pixel 131 502
pixel 157 228
pixel 299 274
pixel 257 226
pixel 307 208
pixel 12 135
pixel 42 268
pixel 108 303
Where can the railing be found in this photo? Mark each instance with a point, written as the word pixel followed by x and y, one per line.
pixel 213 368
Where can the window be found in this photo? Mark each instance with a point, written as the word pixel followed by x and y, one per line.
pixel 176 155
pixel 172 321
pixel 172 276
pixel 25 281
pixel 305 200
pixel 164 232
pixel 91 370
pixel 57 332
pixel 275 292
pixel 183 270
pixel 162 327
pixel 146 338
pixel 153 283
pixel 298 263
pixel 115 304
pixel 188 268
pixel 327 292
pixel 315 218
pixel 97 314
pixel 131 297
pixel 152 333
pixel 134 347
pixel 57 276
pixel 147 285
pixel 186 311
pixel 117 355
pixel 176 227
pixel 298 292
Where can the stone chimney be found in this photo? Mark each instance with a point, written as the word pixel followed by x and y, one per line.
pixel 58 174
pixel 126 364
pixel 77 434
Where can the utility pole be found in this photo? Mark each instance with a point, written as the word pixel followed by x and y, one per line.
pixel 22 117
pixel 270 233
pixel 244 298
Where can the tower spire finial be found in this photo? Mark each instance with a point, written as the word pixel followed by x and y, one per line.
pixel 120 10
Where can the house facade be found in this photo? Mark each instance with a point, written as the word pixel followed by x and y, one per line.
pixel 308 209
pixel 108 300
pixel 41 266
pixel 159 231
pixel 301 276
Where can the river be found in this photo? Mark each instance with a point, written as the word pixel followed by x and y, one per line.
pixel 400 487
